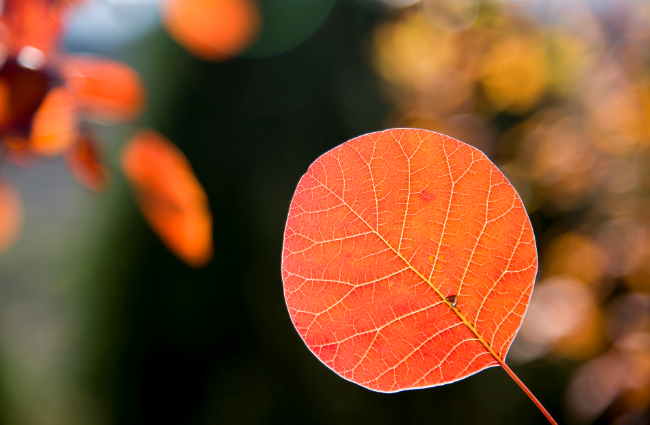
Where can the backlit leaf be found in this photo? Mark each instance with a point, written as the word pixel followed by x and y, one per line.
pixel 169 195
pixel 408 260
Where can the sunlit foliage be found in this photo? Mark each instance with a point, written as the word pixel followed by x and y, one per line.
pixel 46 99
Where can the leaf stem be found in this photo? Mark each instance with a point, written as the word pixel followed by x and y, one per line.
pixel 527 391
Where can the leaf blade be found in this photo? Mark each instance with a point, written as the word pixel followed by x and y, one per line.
pixel 384 201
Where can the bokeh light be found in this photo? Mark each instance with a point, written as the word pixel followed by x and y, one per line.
pixel 213 29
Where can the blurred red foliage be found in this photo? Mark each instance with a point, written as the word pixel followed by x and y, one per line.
pixel 170 196
pixel 44 95
pixel 106 90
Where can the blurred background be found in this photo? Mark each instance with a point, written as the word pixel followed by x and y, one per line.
pixel 101 324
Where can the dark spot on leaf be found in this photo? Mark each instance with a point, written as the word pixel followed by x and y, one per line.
pixel 428 196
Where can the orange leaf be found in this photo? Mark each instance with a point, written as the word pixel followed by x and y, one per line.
pixel 85 165
pixel 408 262
pixel 105 89
pixel 54 127
pixel 11 215
pixel 213 30
pixel 171 198
pixel 32 23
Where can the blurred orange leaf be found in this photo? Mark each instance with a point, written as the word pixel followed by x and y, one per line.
pixel 85 165
pixel 32 23
pixel 169 195
pixel 54 127
pixel 11 215
pixel 105 89
pixel 213 30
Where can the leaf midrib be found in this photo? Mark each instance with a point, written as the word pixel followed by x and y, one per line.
pixel 408 264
